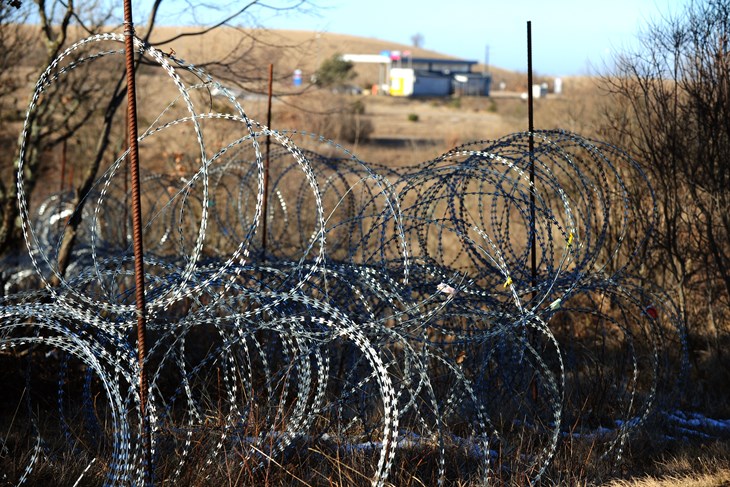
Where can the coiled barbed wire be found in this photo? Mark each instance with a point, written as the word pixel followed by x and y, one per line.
pixel 391 309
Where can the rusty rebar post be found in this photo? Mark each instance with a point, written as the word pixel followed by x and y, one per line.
pixel 137 230
pixel 64 148
pixel 125 223
pixel 265 208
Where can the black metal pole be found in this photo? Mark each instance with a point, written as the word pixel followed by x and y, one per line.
pixel 531 142
pixel 265 208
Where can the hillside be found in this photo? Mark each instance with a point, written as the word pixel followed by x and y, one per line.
pixel 287 49
pixel 252 50
pixel 295 49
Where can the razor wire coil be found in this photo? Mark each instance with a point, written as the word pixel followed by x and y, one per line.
pixel 391 308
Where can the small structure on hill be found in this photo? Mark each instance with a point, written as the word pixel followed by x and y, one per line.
pixel 438 77
pixel 412 76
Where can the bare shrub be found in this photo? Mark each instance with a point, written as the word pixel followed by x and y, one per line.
pixel 671 108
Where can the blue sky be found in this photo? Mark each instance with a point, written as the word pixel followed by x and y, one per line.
pixel 570 37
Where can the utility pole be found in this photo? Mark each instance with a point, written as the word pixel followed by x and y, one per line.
pixel 486 59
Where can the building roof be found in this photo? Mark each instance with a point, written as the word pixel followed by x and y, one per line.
pixel 432 60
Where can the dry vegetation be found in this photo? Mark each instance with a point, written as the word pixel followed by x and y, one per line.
pixel 383 130
pixel 442 123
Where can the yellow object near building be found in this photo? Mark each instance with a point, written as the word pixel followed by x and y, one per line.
pixel 401 81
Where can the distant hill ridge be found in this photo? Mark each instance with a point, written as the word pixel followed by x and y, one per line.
pixel 286 49
pixel 289 49
pixel 304 48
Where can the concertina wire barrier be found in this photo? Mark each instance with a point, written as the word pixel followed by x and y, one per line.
pixel 393 309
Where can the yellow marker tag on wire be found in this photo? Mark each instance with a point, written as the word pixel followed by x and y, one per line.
pixel 508 282
pixel 570 239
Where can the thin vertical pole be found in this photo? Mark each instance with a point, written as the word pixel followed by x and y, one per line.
pixel 126 188
pixel 63 166
pixel 137 229
pixel 266 164
pixel 63 178
pixel 486 59
pixel 531 142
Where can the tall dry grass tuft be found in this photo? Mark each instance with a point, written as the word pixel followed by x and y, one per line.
pixel 688 464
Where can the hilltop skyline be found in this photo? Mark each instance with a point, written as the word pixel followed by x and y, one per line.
pixel 568 37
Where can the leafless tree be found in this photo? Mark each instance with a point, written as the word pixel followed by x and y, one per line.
pixel 82 99
pixel 12 39
pixel 672 110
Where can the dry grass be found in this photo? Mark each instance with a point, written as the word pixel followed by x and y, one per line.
pixel 692 465
pixel 706 480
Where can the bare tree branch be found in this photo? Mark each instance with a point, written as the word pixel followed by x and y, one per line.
pixel 225 21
